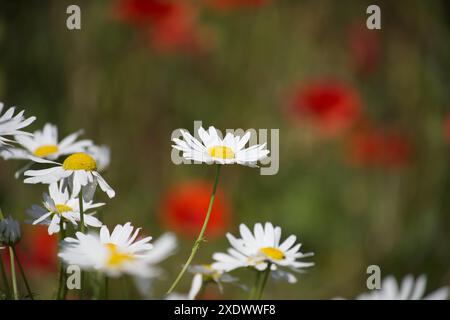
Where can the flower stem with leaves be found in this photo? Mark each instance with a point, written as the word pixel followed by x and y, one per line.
pixel 200 237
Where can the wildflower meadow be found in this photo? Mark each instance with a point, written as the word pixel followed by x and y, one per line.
pixel 224 149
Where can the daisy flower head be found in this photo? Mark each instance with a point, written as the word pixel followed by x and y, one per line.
pixel 44 144
pixel 210 274
pixel 59 209
pixel 408 289
pixel 262 249
pixel 78 172
pixel 114 253
pixel 211 148
pixel 9 231
pixel 11 125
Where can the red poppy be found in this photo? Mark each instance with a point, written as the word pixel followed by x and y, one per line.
pixel 171 25
pixel 227 5
pixel 331 105
pixel 37 250
pixel 184 207
pixel 178 31
pixel 141 12
pixel 374 148
pixel 364 48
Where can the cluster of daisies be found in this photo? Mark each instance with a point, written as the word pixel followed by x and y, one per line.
pixel 68 206
pixel 71 168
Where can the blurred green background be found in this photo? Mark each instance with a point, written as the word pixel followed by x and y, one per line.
pixel 107 79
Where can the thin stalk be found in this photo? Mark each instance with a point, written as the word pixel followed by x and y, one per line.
pixel 200 237
pixel 62 289
pixel 60 280
pixel 82 229
pixel 13 274
pixel 255 285
pixel 82 226
pixel 4 278
pixel 22 273
pixel 265 276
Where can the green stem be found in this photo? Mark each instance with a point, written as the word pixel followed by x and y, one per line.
pixel 82 229
pixel 82 226
pixel 62 288
pixel 265 276
pixel 13 274
pixel 255 285
pixel 201 235
pixel 22 273
pixel 4 278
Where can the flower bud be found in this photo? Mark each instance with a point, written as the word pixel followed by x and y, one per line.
pixel 9 231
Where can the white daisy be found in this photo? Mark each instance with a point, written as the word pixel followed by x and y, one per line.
pixel 213 149
pixel 101 155
pixel 196 286
pixel 11 125
pixel 261 249
pixel 78 171
pixel 210 274
pixel 409 289
pixel 9 231
pixel 59 208
pixel 44 144
pixel 113 253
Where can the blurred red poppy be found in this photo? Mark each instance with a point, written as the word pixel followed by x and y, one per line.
pixel 179 31
pixel 364 48
pixel 141 12
pixel 184 207
pixel 227 5
pixel 331 105
pixel 37 250
pixel 171 25
pixel 375 148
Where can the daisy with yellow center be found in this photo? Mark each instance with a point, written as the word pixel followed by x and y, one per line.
pixel 113 254
pixel 59 209
pixel 11 125
pixel 211 148
pixel 262 249
pixel 78 172
pixel 44 144
pixel 208 274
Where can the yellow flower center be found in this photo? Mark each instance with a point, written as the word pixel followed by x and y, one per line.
pixel 272 253
pixel 80 161
pixel 46 150
pixel 208 267
pixel 116 258
pixel 210 273
pixel 63 208
pixel 221 152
